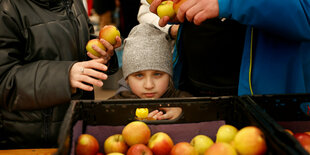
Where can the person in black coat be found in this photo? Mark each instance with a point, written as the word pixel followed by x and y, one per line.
pixel 43 66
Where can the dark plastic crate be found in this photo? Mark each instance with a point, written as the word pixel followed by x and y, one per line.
pixel 200 116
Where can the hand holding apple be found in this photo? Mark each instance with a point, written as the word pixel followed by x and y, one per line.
pixel 109 33
pixel 91 44
pixel 87 145
pixel 166 9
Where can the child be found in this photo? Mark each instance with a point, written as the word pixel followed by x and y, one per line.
pixel 147 68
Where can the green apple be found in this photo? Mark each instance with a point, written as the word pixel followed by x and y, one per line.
pixel 166 9
pixel 96 42
pixel 201 143
pixel 226 133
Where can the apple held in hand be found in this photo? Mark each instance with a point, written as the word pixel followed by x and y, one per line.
pixel 160 143
pixel 139 149
pixel 87 145
pixel 89 47
pixel 201 143
pixel 304 140
pixel 136 132
pixel 109 33
pixel 115 143
pixel 250 140
pixel 166 9
pixel 177 5
pixel 221 148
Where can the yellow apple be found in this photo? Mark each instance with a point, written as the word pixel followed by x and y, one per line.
pixel 177 5
pixel 136 132
pixel 250 140
pixel 166 9
pixel 149 1
pixel 109 33
pixel 142 112
pixel 183 148
pixel 115 143
pixel 160 143
pixel 226 133
pixel 89 46
pixel 221 148
pixel 201 143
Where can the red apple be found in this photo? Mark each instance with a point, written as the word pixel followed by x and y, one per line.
pixel 139 149
pixel 109 33
pixel 136 132
pixel 160 143
pixel 89 46
pixel 87 145
pixel 183 148
pixel 221 148
pixel 250 140
pixel 304 140
pixel 115 143
pixel 177 5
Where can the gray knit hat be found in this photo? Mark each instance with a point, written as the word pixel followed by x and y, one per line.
pixel 147 48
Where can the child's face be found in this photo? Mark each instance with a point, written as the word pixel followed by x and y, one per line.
pixel 149 83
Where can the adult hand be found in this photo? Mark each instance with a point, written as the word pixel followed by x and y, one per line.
pixel 106 55
pixel 87 72
pixel 197 11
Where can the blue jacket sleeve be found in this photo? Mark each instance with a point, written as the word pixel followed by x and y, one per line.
pixel 289 19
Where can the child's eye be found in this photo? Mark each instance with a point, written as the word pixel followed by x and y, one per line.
pixel 158 74
pixel 138 75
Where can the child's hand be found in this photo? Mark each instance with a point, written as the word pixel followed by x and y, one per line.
pixel 171 113
pixel 155 114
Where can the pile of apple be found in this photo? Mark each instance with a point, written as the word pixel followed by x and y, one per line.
pixel 302 137
pixel 136 139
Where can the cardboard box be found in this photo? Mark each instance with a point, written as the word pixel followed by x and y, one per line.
pixel 203 115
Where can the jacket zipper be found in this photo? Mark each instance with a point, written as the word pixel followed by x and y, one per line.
pixel 71 16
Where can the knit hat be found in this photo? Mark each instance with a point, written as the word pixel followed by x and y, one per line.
pixel 147 48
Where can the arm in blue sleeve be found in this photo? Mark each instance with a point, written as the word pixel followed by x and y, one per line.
pixel 290 19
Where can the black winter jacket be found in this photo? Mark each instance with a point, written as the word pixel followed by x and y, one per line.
pixel 39 42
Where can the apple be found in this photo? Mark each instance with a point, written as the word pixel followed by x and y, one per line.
pixel 139 149
pixel 136 132
pixel 109 33
pixel 307 132
pixel 183 148
pixel 304 140
pixel 115 153
pixel 166 9
pixel 87 145
pixel 221 148
pixel 226 133
pixel 142 113
pixel 96 42
pixel 201 143
pixel 115 143
pixel 250 140
pixel 160 143
pixel 177 5
pixel 150 1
